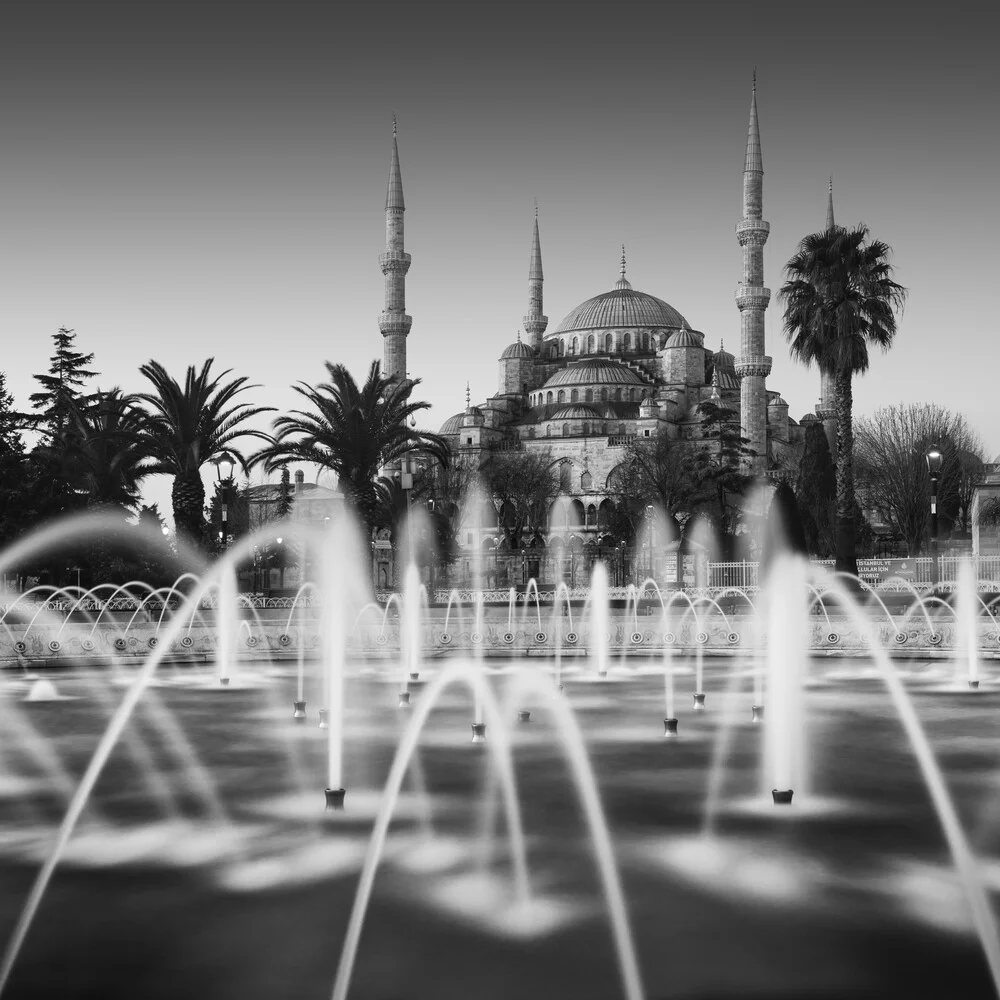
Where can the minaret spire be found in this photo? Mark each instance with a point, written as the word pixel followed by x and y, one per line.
pixel 535 322
pixel 395 262
pixel 829 207
pixel 753 365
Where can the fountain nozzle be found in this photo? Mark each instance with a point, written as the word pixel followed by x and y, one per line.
pixel 478 732
pixel 414 675
pixel 782 797
pixel 670 729
pixel 974 685
pixel 756 713
pixel 324 714
pixel 699 701
pixel 300 710
pixel 335 798
pixel 224 681
pixel 404 699
pixel 524 716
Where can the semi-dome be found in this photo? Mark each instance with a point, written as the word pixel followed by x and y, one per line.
pixel 577 411
pixel 595 371
pixel 621 308
pixel 518 349
pixel 683 338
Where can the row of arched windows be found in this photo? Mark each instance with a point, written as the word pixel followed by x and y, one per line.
pixel 602 395
pixel 587 428
pixel 605 343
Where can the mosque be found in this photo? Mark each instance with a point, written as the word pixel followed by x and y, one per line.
pixel 624 365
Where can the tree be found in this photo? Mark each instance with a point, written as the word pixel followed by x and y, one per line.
pixel 61 387
pixel 189 426
pixel 839 299
pixel 659 471
pixel 718 470
pixel 816 493
pixel 783 530
pixel 892 469
pixel 103 454
pixel 355 432
pixel 522 486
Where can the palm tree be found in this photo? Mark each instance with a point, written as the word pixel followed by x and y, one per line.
pixel 190 425
pixel 355 432
pixel 102 448
pixel 839 298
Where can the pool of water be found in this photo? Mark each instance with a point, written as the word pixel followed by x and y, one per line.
pixel 215 872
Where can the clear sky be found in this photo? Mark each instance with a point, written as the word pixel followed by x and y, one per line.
pixel 191 180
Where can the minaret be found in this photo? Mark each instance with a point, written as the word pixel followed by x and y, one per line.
pixel 534 322
pixel 394 323
pixel 826 409
pixel 753 365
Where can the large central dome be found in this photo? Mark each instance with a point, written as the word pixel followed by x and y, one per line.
pixel 621 308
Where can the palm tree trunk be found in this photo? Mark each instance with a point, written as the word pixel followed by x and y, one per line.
pixel 847 560
pixel 187 497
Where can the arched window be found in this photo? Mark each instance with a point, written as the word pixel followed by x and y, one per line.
pixel 561 398
pixel 590 344
pixel 548 430
pixel 627 342
pixel 645 341
pixel 621 428
pixel 591 516
pixel 618 395
pixel 574 345
pixel 548 398
pixel 565 430
pixel 589 396
pixel 586 428
pixel 531 432
pixel 574 396
pixel 631 396
pixel 609 343
pixel 586 481
pixel 524 387
pixel 562 348
pixel 604 395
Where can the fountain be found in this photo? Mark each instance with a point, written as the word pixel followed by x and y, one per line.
pixel 568 811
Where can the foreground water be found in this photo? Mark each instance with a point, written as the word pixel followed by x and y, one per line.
pixel 848 893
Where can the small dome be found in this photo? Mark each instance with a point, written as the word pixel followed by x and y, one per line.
pixel 518 349
pixel 452 425
pixel 473 417
pixel 774 399
pixel 725 362
pixel 577 411
pixel 683 338
pixel 727 380
pixel 809 418
pixel 598 371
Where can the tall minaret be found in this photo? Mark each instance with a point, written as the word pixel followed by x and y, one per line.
pixel 753 365
pixel 394 323
pixel 826 409
pixel 534 322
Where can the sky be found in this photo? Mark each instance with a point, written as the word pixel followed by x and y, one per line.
pixel 187 181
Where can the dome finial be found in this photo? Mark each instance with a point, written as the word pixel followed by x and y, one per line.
pixel 722 345
pixel 468 396
pixel 623 260
pixel 536 209
pixel 394 124
pixel 519 336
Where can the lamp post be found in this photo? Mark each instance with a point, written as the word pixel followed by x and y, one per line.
pixel 224 465
pixel 934 462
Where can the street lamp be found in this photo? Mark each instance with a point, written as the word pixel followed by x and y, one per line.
pixel 224 466
pixel 934 462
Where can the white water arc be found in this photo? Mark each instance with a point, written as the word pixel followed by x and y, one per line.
pixel 472 674
pixel 962 856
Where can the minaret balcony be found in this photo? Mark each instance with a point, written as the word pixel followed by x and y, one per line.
pixel 394 324
pixel 753 364
pixel 395 261
pixel 752 296
pixel 753 226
